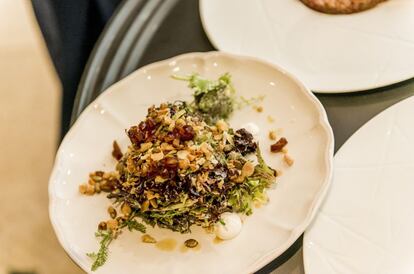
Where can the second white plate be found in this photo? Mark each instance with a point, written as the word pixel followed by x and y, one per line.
pixel 366 223
pixel 329 53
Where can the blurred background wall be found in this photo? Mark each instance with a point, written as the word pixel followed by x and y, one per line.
pixel 30 94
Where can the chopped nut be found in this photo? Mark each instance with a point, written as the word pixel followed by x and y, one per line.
pixel 176 143
pixel 145 146
pixel 279 145
pixel 258 108
pixel 96 178
pixel 217 137
pixel 126 209
pixel 157 156
pixel 284 150
pixel 248 169
pixel 239 179
pixel 148 239
pixel 182 154
pixel 166 147
pixel 288 160
pixel 112 212
pixel 83 188
pixel 98 188
pixel 222 125
pixel 121 220
pixel 151 195
pixel 90 190
pixel 171 163
pixel 205 147
pixel 102 226
pixel 183 164
pixel 270 119
pixel 159 179
pixel 272 135
pixel 112 224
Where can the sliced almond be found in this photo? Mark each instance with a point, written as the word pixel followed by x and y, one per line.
pixel 182 154
pixel 145 146
pixel 157 156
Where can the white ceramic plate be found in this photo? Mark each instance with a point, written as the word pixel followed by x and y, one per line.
pixel 265 235
pixel 366 223
pixel 329 53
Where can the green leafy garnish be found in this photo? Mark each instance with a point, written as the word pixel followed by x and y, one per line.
pixel 99 258
pixel 253 189
pixel 134 225
pixel 102 255
pixel 213 99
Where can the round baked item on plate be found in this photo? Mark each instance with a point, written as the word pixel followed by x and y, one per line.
pixel 341 6
pixel 329 54
pixel 265 234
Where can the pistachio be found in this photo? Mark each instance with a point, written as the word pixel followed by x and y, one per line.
pixel 248 169
pixel 96 178
pixel 98 188
pixel 102 226
pixel 154 204
pixel 126 209
pixel 90 190
pixel 148 239
pixel 112 212
pixel 112 224
pixel 83 188
pixel 144 206
pixel 191 243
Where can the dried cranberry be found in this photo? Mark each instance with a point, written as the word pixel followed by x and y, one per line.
pixel 186 133
pixel 116 151
pixel 135 135
pixel 150 123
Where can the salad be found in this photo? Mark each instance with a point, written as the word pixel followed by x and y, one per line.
pixel 185 166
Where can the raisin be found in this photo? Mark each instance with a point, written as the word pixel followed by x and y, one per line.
pixel 243 140
pixel 186 133
pixel 279 145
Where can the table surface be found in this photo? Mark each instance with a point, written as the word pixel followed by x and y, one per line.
pixel 143 31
